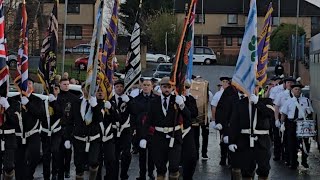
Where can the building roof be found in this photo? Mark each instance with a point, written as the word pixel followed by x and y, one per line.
pixel 288 7
pixel 71 1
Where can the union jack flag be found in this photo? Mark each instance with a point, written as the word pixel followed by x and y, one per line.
pixel 21 79
pixel 4 72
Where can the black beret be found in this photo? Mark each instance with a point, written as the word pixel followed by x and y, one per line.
pixel 225 78
pixel 119 82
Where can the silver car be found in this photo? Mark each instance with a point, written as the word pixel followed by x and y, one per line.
pixel 163 70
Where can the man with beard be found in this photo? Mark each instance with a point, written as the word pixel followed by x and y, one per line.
pixel 166 114
pixel 142 105
pixel 27 155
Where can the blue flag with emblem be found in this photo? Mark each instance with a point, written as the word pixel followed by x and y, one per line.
pixel 244 77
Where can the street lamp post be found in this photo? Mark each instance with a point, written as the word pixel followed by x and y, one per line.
pixel 296 42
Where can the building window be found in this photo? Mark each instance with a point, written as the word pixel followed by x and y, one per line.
pixel 199 18
pixel 197 40
pixel 228 41
pixel 315 25
pixel 74 32
pixel 232 19
pixel 239 41
pixel 275 21
pixel 74 8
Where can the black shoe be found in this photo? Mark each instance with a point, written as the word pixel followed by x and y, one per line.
pixel 305 165
pixel 66 174
pixel 223 163
pixel 141 178
pixel 205 157
pixel 294 167
pixel 287 163
pixel 54 177
pixel 151 177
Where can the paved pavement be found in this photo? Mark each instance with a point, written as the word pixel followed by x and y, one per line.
pixel 210 170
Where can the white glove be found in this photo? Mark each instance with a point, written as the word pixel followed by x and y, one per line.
pixel 24 100
pixel 93 101
pixel 233 147
pixel 67 144
pixel 4 102
pixel 107 105
pixel 226 139
pixel 212 124
pixel 308 110
pixel 282 128
pixel 143 143
pixel 278 123
pixel 184 98
pixel 52 98
pixel 179 100
pixel 253 98
pixel 218 126
pixel 125 98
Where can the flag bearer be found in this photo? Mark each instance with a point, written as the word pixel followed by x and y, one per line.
pixel 249 137
pixel 167 137
pixel 86 132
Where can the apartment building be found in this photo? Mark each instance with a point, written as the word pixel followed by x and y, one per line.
pixel 223 22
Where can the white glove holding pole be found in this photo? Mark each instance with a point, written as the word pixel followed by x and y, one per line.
pixel 254 99
pixel 24 100
pixel 179 101
pixel 52 98
pixel 107 105
pixel 125 98
pixel 67 144
pixel 226 139
pixel 278 123
pixel 212 124
pixel 93 101
pixel 282 128
pixel 233 147
pixel 218 126
pixel 143 143
pixel 4 102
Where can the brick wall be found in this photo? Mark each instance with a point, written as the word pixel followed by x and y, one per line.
pixel 302 71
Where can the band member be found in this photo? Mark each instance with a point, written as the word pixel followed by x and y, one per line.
pixel 142 105
pixel 121 110
pixel 51 137
pixel 295 109
pixel 249 137
pixel 27 154
pixel 280 146
pixel 63 111
pixel 167 137
pixel 86 132
pixel 107 154
pixel 189 153
pixel 222 115
pixel 8 123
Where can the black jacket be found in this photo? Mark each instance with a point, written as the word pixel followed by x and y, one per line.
pixel 240 120
pixel 192 106
pixel 121 113
pixel 224 107
pixel 34 110
pixel 79 125
pixel 107 118
pixel 11 118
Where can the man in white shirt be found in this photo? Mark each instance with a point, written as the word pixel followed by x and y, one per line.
pixel 295 109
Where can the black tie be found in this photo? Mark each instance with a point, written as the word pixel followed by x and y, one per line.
pixel 119 101
pixel 296 112
pixel 87 106
pixel 165 103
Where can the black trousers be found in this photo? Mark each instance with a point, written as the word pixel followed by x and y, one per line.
pixel 277 145
pixel 249 159
pixel 122 152
pixel 162 153
pixel 80 157
pixel 224 151
pixel 65 159
pixel 205 138
pixel 27 157
pixel 189 156
pixel 107 157
pixel 50 151
pixel 7 157
pixel 144 158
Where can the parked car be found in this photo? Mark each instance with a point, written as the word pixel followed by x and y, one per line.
pixel 81 62
pixel 153 57
pixel 12 59
pixel 79 49
pixel 163 70
pixel 204 55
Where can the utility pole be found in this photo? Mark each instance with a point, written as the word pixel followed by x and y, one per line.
pixel 296 42
pixel 202 19
pixel 279 6
pixel 64 35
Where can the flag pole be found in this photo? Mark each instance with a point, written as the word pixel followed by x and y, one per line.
pixel 64 35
